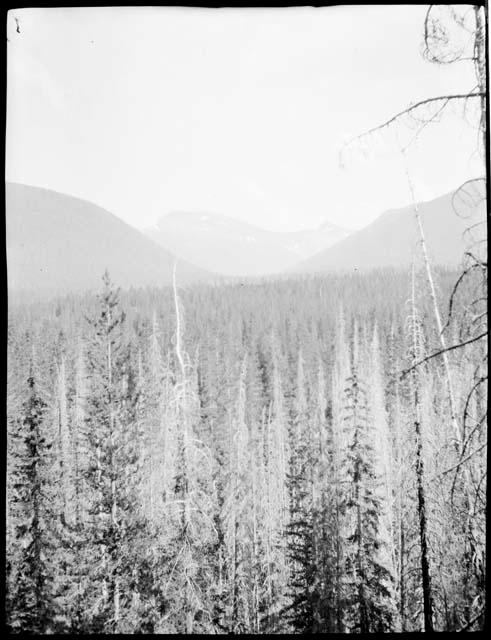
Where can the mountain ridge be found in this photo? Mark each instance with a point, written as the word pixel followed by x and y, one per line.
pixel 58 243
pixel 223 244
pixel 392 238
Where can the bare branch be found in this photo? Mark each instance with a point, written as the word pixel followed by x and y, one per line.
pixel 437 36
pixel 478 491
pixel 417 105
pixel 469 195
pixel 456 466
pixel 425 123
pixel 454 291
pixel 438 353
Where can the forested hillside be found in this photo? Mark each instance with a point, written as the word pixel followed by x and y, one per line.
pixel 60 244
pixel 248 458
pixel 450 227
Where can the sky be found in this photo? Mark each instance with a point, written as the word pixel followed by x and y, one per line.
pixel 241 112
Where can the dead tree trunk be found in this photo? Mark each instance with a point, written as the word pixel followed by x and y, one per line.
pixel 421 498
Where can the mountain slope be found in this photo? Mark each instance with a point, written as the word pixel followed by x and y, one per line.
pixel 393 237
pixel 236 248
pixel 57 243
pixel 308 242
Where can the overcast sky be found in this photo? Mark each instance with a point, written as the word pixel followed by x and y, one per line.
pixel 236 111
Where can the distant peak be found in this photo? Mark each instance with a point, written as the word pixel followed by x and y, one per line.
pixel 200 216
pixel 327 225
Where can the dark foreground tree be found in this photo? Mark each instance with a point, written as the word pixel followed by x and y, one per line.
pixel 29 605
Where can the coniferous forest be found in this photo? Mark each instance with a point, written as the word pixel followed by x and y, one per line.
pixel 284 454
pixel 255 457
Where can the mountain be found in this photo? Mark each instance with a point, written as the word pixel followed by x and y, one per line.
pixel 308 242
pixel 57 243
pixel 236 248
pixel 393 237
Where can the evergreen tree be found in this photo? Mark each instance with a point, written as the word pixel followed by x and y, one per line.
pixel 367 604
pixel 303 575
pixel 111 463
pixel 30 601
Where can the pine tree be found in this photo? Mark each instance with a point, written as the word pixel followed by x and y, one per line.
pixel 30 598
pixel 303 575
pixel 327 512
pixel 110 437
pixel 66 524
pixel 383 448
pixel 338 445
pixel 368 600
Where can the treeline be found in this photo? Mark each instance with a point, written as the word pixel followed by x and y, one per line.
pixel 257 457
